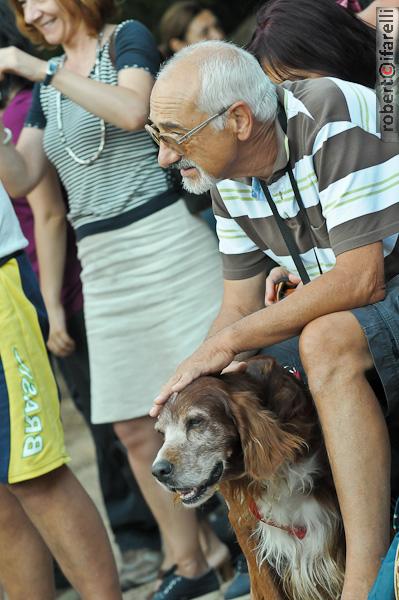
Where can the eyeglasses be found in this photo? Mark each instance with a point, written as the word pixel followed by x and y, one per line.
pixel 174 142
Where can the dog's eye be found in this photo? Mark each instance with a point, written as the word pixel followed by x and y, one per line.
pixel 195 422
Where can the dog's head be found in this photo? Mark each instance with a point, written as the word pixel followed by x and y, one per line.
pixel 228 426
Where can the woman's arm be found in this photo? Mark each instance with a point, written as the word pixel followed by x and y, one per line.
pixel 48 209
pixel 125 105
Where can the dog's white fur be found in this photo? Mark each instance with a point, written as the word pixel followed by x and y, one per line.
pixel 288 501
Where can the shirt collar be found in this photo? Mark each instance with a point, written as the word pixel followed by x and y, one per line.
pixel 283 152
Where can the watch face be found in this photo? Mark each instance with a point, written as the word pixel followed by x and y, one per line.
pixel 52 66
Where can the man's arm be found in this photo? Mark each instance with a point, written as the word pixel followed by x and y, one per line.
pixel 241 297
pixel 356 280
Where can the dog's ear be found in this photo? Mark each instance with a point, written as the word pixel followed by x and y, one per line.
pixel 265 445
pixel 280 391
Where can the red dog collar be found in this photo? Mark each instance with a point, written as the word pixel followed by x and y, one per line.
pixel 298 532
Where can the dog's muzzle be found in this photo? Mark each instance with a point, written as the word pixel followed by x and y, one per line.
pixel 163 470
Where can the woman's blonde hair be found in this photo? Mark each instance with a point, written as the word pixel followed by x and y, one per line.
pixel 94 13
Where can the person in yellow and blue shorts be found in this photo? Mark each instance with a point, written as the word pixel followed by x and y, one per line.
pixel 43 508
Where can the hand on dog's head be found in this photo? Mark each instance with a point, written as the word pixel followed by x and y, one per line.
pixel 246 420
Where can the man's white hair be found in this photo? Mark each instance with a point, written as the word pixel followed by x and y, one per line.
pixel 227 74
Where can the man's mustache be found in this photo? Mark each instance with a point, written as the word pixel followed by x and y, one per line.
pixel 183 163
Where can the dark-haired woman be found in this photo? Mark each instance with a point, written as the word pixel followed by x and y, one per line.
pixel 187 22
pixel 300 39
pixel 151 274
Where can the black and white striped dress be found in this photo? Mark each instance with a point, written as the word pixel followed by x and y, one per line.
pixel 151 271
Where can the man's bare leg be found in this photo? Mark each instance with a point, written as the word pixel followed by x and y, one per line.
pixel 335 354
pixel 26 568
pixel 71 527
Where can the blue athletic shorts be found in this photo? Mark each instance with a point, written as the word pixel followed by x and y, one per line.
pixel 380 323
pixel 31 434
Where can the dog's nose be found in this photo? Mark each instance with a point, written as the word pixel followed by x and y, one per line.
pixel 162 469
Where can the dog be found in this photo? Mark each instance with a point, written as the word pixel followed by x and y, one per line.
pixel 256 436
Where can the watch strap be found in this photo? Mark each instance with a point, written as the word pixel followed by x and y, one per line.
pixel 52 68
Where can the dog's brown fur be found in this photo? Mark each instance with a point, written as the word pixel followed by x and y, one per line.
pixel 258 423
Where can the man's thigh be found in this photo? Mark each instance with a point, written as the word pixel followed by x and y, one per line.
pixel 380 325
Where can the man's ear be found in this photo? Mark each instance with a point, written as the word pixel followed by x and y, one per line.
pixel 241 120
pixel 265 445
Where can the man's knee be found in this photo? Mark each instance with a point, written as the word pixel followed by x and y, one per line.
pixel 38 487
pixel 332 345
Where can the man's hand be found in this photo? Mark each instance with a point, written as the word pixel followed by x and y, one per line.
pixel 275 276
pixel 59 342
pixel 211 357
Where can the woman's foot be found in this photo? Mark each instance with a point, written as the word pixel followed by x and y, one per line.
pixel 176 587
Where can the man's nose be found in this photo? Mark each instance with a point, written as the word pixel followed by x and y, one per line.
pixel 162 470
pixel 31 11
pixel 167 156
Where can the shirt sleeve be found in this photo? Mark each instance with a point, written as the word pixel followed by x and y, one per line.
pixel 241 257
pixel 357 172
pixel 136 47
pixel 36 117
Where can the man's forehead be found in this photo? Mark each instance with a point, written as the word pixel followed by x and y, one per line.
pixel 171 96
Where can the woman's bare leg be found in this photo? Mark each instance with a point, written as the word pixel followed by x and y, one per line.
pixel 178 525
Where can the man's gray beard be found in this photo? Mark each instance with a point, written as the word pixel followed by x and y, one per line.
pixel 198 185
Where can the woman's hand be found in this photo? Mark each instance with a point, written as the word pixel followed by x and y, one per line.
pixel 59 342
pixel 211 357
pixel 275 276
pixel 14 60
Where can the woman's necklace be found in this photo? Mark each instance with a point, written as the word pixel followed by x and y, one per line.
pixel 68 149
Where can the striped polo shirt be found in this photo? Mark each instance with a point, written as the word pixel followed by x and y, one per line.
pixel 114 190
pixel 348 179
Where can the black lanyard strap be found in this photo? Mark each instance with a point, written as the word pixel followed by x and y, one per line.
pixel 287 235
pixel 282 225
pixel 304 214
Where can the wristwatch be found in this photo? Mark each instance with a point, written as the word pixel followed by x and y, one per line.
pixel 52 68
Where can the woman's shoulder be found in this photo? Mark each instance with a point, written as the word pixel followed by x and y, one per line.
pixel 131 27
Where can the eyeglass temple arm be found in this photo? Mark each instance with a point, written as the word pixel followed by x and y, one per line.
pixel 201 125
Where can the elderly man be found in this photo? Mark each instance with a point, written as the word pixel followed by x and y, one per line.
pixel 215 117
